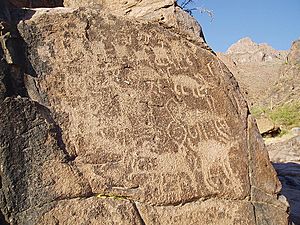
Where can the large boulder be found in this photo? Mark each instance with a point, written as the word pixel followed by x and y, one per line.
pixel 129 122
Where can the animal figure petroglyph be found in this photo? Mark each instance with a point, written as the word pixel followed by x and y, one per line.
pixel 183 83
pixel 216 169
pixel 212 161
pixel 211 150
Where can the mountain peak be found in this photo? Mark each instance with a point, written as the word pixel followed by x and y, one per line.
pixel 246 45
pixel 245 50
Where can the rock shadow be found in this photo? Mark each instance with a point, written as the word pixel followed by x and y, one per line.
pixel 289 175
pixel 13 53
pixel 35 3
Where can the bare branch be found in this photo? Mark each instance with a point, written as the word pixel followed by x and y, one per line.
pixel 185 6
pixel 207 11
pixel 185 3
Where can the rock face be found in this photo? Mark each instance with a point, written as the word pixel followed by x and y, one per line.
pixel 287 88
pixel 35 3
pixel 128 122
pixel 165 12
pixel 294 54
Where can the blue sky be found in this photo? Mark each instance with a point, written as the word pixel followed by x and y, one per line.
pixel 276 22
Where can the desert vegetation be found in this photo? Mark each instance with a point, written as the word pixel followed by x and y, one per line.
pixel 285 116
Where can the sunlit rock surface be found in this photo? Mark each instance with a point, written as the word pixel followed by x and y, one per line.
pixel 128 122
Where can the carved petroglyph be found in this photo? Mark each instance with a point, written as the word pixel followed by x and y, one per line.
pixel 185 86
pixel 216 169
pixel 177 132
pixel 204 125
pixel 184 83
pixel 192 134
pixel 145 112
pixel 209 68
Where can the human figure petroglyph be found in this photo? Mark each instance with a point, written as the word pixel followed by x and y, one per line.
pixel 158 86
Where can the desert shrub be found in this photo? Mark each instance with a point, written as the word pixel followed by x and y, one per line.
pixel 287 115
pixel 258 111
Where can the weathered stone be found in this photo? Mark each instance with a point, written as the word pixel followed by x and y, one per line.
pixel 164 12
pixel 153 105
pixel 264 124
pixel 90 210
pixel 262 173
pixel 3 75
pixel 135 8
pixel 35 3
pixel 285 149
pixel 34 166
pixel 133 123
pixel 148 116
pixel 267 214
pixel 203 212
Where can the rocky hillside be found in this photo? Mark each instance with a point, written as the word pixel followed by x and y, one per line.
pixel 257 67
pixel 268 78
pixel 118 113
pixel 270 81
pixel 287 87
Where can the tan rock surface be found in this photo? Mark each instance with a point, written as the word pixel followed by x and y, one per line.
pixel 294 54
pixel 246 51
pixel 135 8
pixel 164 12
pixel 140 127
pixel 203 212
pixel 132 123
